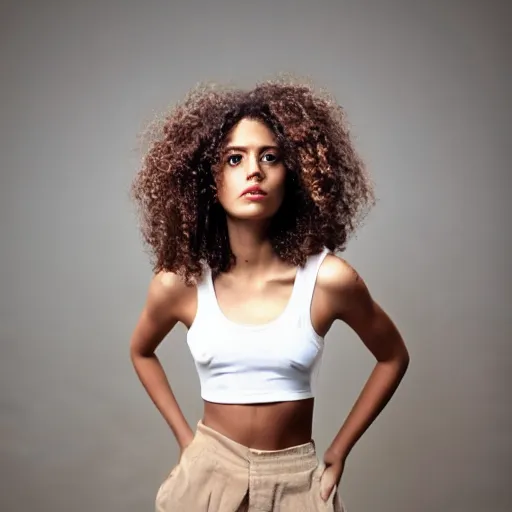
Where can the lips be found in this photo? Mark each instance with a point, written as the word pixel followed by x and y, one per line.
pixel 254 190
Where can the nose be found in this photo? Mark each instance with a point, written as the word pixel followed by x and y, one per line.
pixel 254 169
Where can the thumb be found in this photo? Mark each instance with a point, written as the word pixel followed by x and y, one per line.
pixel 326 485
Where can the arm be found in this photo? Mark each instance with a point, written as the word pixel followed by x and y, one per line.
pixel 351 302
pixel 163 309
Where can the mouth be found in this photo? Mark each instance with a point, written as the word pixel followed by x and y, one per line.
pixel 254 191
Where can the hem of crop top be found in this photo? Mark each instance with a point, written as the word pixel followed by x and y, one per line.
pixel 228 397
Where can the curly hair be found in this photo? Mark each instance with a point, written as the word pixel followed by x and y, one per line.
pixel 328 191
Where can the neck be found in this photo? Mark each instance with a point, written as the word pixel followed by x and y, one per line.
pixel 251 247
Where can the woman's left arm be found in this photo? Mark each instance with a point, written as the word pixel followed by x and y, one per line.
pixel 349 300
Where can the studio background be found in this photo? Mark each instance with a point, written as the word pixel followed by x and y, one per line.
pixel 426 86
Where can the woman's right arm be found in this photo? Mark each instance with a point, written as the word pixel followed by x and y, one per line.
pixel 164 307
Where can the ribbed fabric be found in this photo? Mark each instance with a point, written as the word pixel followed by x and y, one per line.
pixel 256 363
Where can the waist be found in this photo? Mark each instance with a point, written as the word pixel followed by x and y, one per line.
pixel 301 457
pixel 269 426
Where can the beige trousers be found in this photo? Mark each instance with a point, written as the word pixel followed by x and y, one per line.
pixel 216 474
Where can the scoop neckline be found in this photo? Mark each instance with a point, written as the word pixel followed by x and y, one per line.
pixel 250 326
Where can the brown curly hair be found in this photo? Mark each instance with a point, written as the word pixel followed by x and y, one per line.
pixel 328 191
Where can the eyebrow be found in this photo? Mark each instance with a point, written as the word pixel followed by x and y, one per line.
pixel 244 148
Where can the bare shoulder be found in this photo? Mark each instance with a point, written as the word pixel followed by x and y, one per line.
pixel 167 294
pixel 168 284
pixel 336 274
pixel 169 300
pixel 163 308
pixel 346 297
pixel 342 284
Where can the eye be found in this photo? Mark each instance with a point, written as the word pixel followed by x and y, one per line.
pixel 234 159
pixel 273 158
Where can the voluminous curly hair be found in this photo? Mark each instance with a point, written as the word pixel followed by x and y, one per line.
pixel 328 191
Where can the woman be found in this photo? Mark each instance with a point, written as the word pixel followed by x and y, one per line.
pixel 244 198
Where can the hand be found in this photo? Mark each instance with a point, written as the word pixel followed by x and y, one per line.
pixel 331 475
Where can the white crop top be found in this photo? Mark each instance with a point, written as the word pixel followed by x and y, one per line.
pixel 256 363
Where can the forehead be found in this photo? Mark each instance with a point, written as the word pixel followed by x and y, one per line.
pixel 250 132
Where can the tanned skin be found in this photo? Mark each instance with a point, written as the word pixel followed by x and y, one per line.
pixel 255 291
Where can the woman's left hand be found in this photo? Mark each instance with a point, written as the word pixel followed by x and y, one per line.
pixel 331 475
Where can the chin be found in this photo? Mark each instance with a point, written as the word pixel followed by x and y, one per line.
pixel 251 216
pixel 252 213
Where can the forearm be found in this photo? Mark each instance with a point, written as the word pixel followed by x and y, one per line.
pixel 154 380
pixel 378 390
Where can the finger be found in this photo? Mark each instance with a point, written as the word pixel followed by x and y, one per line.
pixel 326 486
pixel 325 493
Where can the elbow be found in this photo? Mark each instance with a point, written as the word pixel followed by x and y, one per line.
pixel 399 360
pixel 403 360
pixel 135 353
pixel 138 353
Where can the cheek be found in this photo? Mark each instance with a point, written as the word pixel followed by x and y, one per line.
pixel 222 184
pixel 222 198
pixel 227 190
pixel 280 185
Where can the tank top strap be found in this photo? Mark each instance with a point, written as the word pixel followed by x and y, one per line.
pixel 300 301
pixel 307 280
pixel 205 297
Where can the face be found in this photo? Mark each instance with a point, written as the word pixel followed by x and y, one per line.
pixel 252 174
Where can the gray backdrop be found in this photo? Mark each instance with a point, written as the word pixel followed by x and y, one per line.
pixel 427 89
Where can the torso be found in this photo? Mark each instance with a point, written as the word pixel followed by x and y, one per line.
pixel 267 426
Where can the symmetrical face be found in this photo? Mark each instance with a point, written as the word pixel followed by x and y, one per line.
pixel 252 173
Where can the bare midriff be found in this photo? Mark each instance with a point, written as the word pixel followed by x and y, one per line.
pixel 268 426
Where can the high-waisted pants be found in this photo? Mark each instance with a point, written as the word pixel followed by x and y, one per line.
pixel 217 474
